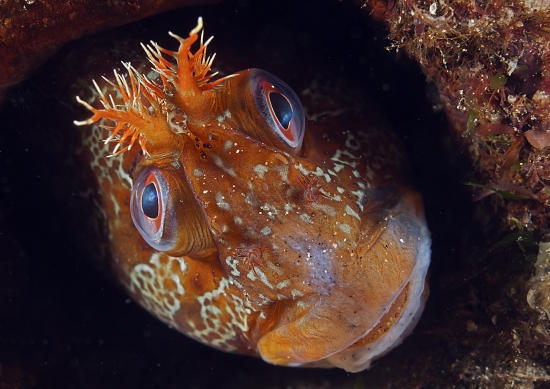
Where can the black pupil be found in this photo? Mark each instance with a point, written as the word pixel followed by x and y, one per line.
pixel 150 201
pixel 282 108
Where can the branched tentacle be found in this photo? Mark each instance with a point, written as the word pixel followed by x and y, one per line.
pixel 145 104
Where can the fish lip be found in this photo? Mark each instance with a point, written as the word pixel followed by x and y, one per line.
pixel 351 359
pixel 401 230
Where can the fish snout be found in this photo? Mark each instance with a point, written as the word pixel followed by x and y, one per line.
pixel 379 292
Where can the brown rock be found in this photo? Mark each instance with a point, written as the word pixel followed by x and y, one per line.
pixel 32 30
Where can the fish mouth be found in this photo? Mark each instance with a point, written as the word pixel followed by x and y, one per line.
pixel 389 333
pixel 375 303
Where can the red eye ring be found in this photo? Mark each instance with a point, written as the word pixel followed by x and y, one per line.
pixel 280 117
pixel 281 109
pixel 148 206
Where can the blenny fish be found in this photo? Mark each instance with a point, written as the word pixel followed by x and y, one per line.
pixel 247 226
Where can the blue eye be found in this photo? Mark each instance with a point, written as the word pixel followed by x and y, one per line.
pixel 281 109
pixel 150 201
pixel 149 205
pixel 166 213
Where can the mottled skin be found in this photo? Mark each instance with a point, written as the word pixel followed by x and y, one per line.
pixel 307 256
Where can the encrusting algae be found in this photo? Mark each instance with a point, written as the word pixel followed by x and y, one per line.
pixel 491 62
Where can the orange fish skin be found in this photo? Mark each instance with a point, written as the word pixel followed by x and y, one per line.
pixel 314 255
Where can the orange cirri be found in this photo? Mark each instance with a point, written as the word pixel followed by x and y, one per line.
pixel 249 228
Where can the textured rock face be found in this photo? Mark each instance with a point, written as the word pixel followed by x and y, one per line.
pixel 490 62
pixel 538 294
pixel 31 31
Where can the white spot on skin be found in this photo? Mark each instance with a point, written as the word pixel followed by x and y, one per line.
pixel 221 203
pixel 360 195
pixel 151 75
pixel 274 268
pixel 250 198
pixel 226 114
pixel 338 167
pixel 115 203
pixel 150 279
pixel 328 209
pixel 338 158
pixel 219 163
pixel 227 145
pixel 270 210
pixel 238 221
pixel 265 300
pixel 198 173
pixel 319 172
pixel 260 170
pixel 283 284
pixel 283 172
pixel 340 190
pixel 295 293
pixel 305 217
pixel 261 276
pixel 345 228
pixel 233 265
pixel 302 169
pixel 352 142
pixel 351 212
pixel 216 321
pixel 370 173
pixel 266 231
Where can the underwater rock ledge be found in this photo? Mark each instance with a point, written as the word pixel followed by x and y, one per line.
pixel 31 31
pixel 490 62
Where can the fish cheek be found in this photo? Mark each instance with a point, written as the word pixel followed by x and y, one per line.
pixel 388 249
pixel 365 289
pixel 191 234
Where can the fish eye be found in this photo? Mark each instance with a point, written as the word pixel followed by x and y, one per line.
pixel 166 213
pixel 280 107
pixel 150 201
pixel 148 205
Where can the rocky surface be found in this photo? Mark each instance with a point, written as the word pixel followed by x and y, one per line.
pixel 32 30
